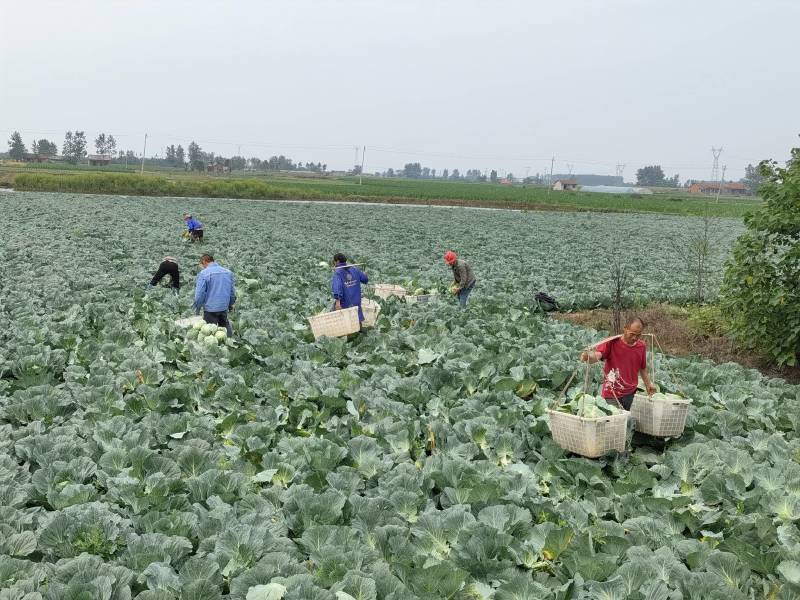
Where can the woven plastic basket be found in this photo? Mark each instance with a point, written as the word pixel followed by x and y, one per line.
pixel 411 299
pixel 588 437
pixel 385 290
pixel 660 418
pixel 371 311
pixel 335 324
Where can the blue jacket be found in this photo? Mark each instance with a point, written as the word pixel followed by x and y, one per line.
pixel 346 287
pixel 215 290
pixel 192 224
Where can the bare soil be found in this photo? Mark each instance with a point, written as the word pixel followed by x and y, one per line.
pixel 679 337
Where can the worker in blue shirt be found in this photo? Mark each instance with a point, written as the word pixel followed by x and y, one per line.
pixel 215 293
pixel 346 285
pixel 195 228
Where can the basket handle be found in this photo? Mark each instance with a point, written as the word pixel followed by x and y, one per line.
pixel 563 392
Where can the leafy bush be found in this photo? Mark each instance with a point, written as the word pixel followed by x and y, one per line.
pixel 761 280
pixel 709 320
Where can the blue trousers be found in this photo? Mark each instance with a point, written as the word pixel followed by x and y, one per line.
pixel 464 294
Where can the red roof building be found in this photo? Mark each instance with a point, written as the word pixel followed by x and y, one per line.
pixel 734 188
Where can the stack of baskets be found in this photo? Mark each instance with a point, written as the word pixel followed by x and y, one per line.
pixel 335 324
pixel 589 437
pixel 412 299
pixel 386 290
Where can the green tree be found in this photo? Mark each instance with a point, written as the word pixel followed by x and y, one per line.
pixel 100 143
pixel 651 175
pixel 180 156
pixel 412 170
pixel 66 148
pixel 493 176
pixel 44 147
pixel 752 178
pixel 759 291
pixel 105 144
pixel 74 148
pixel 196 157
pixel 16 147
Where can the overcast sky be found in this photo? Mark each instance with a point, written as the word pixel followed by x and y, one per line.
pixel 455 83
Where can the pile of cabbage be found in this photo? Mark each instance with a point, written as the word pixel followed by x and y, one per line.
pixel 207 333
pixel 590 407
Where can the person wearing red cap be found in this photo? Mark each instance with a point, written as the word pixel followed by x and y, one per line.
pixel 463 278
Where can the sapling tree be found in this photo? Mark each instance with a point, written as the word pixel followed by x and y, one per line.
pixel 619 281
pixel 697 251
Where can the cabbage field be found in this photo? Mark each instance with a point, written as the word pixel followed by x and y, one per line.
pixel 410 462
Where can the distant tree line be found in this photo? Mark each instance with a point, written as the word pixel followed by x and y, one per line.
pixel 416 171
pixel 75 148
pixel 653 176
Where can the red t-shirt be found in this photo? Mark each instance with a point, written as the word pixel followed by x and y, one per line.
pixel 624 363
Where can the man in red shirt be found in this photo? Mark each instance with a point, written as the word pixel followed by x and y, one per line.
pixel 625 359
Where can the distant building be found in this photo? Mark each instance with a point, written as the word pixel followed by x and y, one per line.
pixel 217 168
pixel 565 185
pixel 734 188
pixel 99 160
pixel 35 158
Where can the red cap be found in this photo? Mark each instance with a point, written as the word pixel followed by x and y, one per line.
pixel 450 257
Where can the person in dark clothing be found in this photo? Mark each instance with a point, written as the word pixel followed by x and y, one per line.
pixel 168 266
pixel 463 278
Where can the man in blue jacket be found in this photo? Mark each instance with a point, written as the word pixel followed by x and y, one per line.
pixel 195 228
pixel 215 293
pixel 346 285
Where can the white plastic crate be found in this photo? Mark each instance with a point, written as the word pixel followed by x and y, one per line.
pixel 660 418
pixel 335 324
pixel 588 437
pixel 371 310
pixel 385 290
pixel 412 299
pixel 188 321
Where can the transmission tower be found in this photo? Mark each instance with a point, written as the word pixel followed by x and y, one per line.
pixel 620 169
pixel 715 168
pixel 569 169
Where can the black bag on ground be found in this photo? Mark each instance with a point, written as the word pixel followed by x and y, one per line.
pixel 544 302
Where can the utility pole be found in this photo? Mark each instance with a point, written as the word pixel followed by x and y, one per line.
pixel 144 150
pixel 550 178
pixel 363 152
pixel 719 186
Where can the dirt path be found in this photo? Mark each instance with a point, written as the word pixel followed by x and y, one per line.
pixel 680 337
